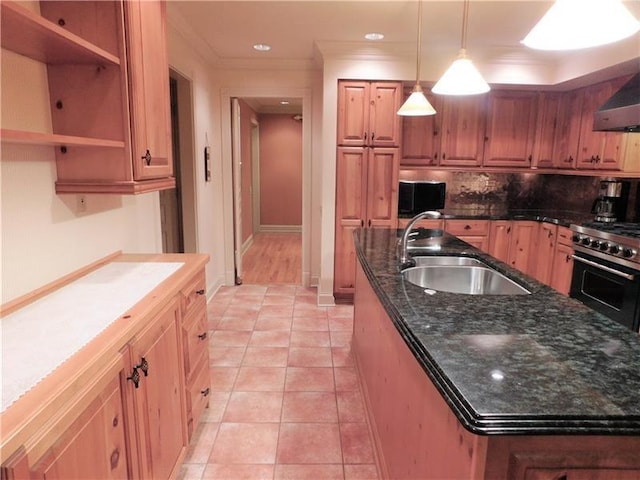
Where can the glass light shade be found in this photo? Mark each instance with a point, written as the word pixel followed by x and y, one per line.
pixel 417 104
pixel 576 24
pixel 461 78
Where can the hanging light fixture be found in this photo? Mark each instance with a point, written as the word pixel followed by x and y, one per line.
pixel 417 104
pixel 575 24
pixel 462 77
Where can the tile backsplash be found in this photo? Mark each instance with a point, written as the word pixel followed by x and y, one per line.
pixel 521 190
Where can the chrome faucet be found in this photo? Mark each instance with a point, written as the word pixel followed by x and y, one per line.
pixel 405 260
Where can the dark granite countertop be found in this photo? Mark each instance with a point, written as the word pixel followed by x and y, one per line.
pixel 522 364
pixel 558 217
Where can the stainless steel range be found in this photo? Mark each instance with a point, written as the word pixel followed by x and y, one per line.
pixel 606 270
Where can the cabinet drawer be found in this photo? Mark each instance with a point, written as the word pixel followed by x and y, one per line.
pixel 194 294
pixel 198 392
pixel 564 236
pixel 195 338
pixel 467 227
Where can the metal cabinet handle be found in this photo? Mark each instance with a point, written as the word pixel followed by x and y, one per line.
pixel 147 158
pixel 373 136
pixel 202 336
pixel 467 227
pixel 444 156
pixel 365 136
pixel 604 267
pixel 135 377
pixel 200 292
pixel 144 366
pixel 205 392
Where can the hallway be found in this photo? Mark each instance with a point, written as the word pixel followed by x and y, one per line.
pixel 285 400
pixel 273 258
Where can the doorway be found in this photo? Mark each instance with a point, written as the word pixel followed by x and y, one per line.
pixel 267 157
pixel 178 205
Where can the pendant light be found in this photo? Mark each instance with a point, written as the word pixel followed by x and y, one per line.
pixel 575 24
pixel 417 104
pixel 462 77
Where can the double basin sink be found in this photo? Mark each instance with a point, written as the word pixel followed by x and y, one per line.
pixel 464 275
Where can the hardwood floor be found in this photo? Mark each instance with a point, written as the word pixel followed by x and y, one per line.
pixel 273 258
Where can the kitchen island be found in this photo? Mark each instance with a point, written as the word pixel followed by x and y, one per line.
pixel 517 386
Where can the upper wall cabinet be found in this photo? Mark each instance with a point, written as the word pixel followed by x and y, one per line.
pixel 510 132
pixel 452 137
pixel 109 105
pixel 367 113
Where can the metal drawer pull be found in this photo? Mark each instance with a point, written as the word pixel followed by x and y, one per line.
pixel 135 377
pixel 202 336
pixel 605 268
pixel 205 392
pixel 144 366
pixel 200 292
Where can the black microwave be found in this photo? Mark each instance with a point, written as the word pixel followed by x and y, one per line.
pixel 418 196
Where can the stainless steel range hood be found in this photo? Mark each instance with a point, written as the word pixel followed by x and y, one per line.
pixel 621 113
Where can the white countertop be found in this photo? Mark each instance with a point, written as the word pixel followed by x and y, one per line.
pixel 39 337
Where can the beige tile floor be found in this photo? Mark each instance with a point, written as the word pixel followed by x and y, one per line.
pixel 285 401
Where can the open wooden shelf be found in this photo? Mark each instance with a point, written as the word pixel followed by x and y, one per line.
pixel 31 35
pixel 36 138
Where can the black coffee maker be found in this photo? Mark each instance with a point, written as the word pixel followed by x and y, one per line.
pixel 611 204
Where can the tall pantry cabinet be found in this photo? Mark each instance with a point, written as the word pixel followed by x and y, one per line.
pixel 367 166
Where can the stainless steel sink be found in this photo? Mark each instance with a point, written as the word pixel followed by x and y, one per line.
pixel 466 279
pixel 447 261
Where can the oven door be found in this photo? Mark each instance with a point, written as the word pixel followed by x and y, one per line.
pixel 608 288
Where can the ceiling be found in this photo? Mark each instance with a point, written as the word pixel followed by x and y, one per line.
pixel 302 33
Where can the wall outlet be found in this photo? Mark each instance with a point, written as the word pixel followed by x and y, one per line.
pixel 82 203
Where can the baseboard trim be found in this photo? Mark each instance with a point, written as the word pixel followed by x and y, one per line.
pixel 246 245
pixel 280 229
pixel 325 300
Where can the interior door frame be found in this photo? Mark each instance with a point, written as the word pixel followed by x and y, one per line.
pixel 227 170
pixel 236 161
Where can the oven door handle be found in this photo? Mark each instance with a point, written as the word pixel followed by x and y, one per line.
pixel 604 267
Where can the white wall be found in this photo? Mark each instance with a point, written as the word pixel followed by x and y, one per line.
pixel 43 235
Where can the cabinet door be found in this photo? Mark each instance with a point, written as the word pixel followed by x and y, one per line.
pixel 523 243
pixel 462 131
pixel 382 187
pixel 420 138
pixel 542 256
pixel 481 243
pixel 510 129
pixel 159 398
pixel 500 239
pixel 562 268
pixel 546 126
pixel 384 122
pixel 565 149
pixel 149 89
pixel 353 113
pixel 94 444
pixel 351 175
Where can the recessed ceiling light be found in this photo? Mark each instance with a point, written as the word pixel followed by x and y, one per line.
pixel 262 47
pixel 374 36
pixel 284 102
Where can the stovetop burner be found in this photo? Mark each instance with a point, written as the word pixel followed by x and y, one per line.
pixel 620 228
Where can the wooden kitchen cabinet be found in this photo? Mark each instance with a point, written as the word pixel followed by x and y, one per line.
pixel 108 106
pixel 565 148
pixel 195 345
pixel 366 196
pixel 547 125
pixel 562 269
pixel 156 355
pixel 474 232
pixel 513 242
pixel 454 136
pixel 510 131
pixel 90 440
pixel 599 150
pixel 367 113
pixel 543 253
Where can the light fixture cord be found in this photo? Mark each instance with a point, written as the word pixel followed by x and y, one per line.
pixel 419 41
pixel 465 17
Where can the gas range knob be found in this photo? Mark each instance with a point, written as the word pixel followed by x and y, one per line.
pixel 585 241
pixel 628 253
pixel 614 249
pixel 595 243
pixel 604 246
pixel 576 238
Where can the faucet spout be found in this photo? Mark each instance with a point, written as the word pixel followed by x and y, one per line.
pixel 405 260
